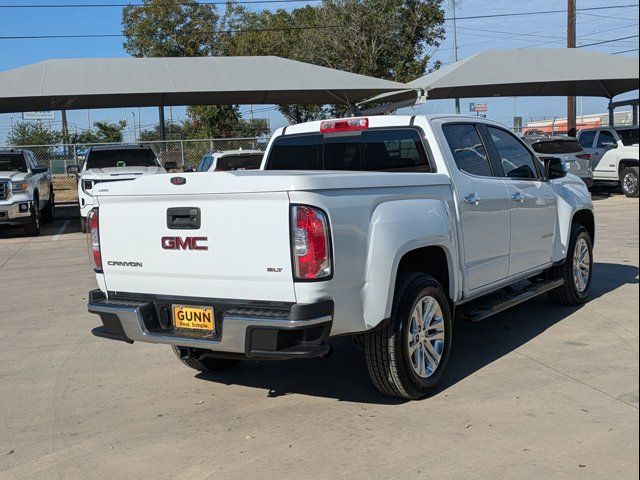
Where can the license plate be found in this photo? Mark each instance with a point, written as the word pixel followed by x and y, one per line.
pixel 193 318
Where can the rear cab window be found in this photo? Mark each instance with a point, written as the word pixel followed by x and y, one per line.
pixel 126 157
pixel 228 163
pixel 549 147
pixel 374 150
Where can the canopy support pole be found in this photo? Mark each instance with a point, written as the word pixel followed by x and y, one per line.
pixel 163 135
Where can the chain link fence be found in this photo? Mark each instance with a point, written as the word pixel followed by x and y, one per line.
pixel 186 153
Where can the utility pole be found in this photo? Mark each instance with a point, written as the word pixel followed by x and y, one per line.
pixel 455 45
pixel 571 43
pixel 163 135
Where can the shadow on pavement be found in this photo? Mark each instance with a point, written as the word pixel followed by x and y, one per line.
pixel 344 375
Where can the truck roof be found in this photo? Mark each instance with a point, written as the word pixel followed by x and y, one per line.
pixel 120 147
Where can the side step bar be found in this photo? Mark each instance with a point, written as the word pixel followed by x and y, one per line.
pixel 479 310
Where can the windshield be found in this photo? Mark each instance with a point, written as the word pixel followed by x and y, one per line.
pixel 239 162
pixel 126 157
pixel 557 146
pixel 629 136
pixel 12 162
pixel 391 150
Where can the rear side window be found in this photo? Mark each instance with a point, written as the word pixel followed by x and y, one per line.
pixel 391 150
pixel 467 149
pixel 516 160
pixel 586 138
pixel 557 146
pixel 605 139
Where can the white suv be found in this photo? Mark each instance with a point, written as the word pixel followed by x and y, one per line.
pixel 111 163
pixel 228 160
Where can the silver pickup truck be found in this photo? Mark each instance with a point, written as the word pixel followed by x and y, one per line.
pixel 26 192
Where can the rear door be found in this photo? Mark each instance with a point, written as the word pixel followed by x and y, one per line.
pixel 532 200
pixel 484 206
pixel 604 156
pixel 237 246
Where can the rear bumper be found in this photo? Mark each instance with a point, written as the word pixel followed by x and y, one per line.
pixel 293 331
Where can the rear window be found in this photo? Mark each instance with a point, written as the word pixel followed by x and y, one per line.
pixel 121 158
pixel 557 146
pixel 12 162
pixel 586 138
pixel 629 136
pixel 390 150
pixel 239 162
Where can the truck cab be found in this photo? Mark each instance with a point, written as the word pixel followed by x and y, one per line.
pixel 26 191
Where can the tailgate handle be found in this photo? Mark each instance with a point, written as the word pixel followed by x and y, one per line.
pixel 183 218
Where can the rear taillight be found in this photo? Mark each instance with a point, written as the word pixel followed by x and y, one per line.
pixel 93 239
pixel 311 248
pixel 584 156
pixel 344 125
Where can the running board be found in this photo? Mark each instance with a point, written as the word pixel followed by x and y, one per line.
pixel 505 299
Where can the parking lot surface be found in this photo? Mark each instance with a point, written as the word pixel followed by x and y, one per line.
pixel 536 392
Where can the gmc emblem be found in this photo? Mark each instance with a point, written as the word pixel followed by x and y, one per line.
pixel 186 243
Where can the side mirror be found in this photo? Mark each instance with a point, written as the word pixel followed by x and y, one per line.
pixel 171 166
pixel 556 168
pixel 39 169
pixel 73 170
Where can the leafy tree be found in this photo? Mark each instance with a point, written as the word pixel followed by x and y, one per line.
pixel 109 132
pixel 25 133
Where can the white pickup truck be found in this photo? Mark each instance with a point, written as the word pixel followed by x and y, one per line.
pixel 381 228
pixel 614 155
pixel 111 163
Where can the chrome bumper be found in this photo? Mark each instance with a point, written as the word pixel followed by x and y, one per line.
pixel 128 321
pixel 10 213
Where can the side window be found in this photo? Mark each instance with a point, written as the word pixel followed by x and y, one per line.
pixel 394 150
pixel 467 149
pixel 516 160
pixel 587 138
pixel 605 139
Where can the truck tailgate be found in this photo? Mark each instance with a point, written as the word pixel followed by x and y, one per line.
pixel 247 255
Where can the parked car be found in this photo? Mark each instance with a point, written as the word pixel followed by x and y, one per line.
pixel 568 149
pixel 111 163
pixel 227 160
pixel 414 220
pixel 26 191
pixel 614 153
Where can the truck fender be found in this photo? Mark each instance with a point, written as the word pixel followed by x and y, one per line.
pixel 573 197
pixel 398 227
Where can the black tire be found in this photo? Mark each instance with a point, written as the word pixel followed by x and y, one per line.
pixel 629 182
pixel 569 293
pixel 386 349
pixel 32 229
pixel 48 212
pixel 83 225
pixel 206 364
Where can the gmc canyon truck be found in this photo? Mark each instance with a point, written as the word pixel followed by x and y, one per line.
pixel 111 163
pixel 380 228
pixel 26 191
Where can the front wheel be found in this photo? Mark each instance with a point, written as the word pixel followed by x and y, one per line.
pixel 204 364
pixel 577 269
pixel 407 357
pixel 32 229
pixel 629 182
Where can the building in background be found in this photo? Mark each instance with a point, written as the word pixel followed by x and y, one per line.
pixel 558 125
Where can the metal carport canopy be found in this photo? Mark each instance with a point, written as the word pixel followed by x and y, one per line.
pixel 524 73
pixel 66 84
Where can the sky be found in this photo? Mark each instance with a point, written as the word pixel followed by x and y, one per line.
pixel 473 35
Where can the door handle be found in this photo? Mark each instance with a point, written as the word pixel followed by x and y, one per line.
pixel 518 197
pixel 185 218
pixel 472 199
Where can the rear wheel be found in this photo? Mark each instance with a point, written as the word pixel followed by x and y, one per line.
pixel 408 356
pixel 189 357
pixel 629 182
pixel 577 269
pixel 33 227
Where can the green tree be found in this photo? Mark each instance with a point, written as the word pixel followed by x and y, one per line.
pixel 25 133
pixel 109 132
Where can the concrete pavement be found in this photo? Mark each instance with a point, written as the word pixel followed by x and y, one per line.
pixel 535 392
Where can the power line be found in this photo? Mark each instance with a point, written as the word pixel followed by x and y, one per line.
pixel 626 51
pixel 121 5
pixel 607 41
